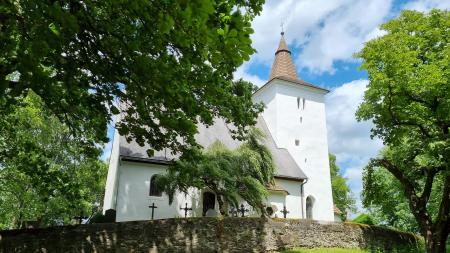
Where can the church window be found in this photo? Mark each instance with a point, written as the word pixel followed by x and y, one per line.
pixel 309 207
pixel 209 202
pixel 297 142
pixel 301 120
pixel 154 189
pixel 298 103
pixel 303 103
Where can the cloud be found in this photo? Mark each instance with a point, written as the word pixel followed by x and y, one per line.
pixel 321 31
pixel 426 5
pixel 349 139
pixel 242 72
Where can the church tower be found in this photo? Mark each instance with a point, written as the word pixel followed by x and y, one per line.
pixel 295 117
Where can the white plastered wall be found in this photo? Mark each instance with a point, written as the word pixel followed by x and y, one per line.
pixel 282 116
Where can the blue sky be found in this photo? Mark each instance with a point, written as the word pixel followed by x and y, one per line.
pixel 323 36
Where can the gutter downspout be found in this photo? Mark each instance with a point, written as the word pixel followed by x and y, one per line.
pixel 302 195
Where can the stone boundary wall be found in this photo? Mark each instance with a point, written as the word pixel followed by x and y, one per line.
pixel 205 235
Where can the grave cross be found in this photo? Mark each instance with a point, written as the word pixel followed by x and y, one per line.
pixel 186 209
pixel 233 212
pixel 153 209
pixel 284 211
pixel 242 210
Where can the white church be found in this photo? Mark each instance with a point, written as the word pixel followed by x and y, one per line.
pixel 296 134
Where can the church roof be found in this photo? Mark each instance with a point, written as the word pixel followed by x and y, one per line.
pixel 286 166
pixel 283 65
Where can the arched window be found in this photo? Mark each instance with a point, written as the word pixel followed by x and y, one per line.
pixel 154 189
pixel 209 202
pixel 309 207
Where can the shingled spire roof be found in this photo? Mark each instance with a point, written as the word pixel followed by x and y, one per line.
pixel 283 65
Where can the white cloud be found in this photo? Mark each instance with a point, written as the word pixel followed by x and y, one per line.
pixel 426 5
pixel 324 30
pixel 349 139
pixel 242 72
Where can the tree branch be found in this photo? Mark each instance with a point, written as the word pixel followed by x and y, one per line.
pixel 417 207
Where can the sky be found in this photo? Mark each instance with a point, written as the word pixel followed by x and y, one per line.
pixel 323 36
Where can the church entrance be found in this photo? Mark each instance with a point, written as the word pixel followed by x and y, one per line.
pixel 309 207
pixel 209 202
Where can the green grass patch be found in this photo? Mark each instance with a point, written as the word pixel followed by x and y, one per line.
pixel 324 250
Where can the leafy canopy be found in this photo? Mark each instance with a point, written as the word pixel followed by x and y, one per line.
pixel 244 173
pixel 169 62
pixel 342 194
pixel 46 174
pixel 408 100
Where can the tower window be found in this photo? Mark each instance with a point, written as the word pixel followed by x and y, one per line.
pixel 298 103
pixel 301 120
pixel 297 142
pixel 304 103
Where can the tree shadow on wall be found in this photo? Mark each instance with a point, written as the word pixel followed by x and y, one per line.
pixel 170 235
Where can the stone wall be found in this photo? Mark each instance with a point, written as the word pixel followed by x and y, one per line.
pixel 204 235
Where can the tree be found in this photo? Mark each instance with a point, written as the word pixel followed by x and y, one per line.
pixel 170 63
pixel 46 174
pixel 231 174
pixel 383 195
pixel 408 100
pixel 342 194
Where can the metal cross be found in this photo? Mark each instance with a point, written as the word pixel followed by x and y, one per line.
pixel 153 209
pixel 233 212
pixel 242 210
pixel 282 28
pixel 186 209
pixel 284 211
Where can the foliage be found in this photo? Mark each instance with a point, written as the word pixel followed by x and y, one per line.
pixel 364 219
pixel 170 63
pixel 408 100
pixel 244 173
pixel 46 174
pixel 342 195
pixel 383 196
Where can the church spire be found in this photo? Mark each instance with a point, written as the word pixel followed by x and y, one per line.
pixel 283 65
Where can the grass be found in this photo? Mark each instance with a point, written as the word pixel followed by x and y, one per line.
pixel 324 250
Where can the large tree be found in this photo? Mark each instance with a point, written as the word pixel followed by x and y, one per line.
pixel 342 195
pixel 46 174
pixel 408 99
pixel 169 62
pixel 244 173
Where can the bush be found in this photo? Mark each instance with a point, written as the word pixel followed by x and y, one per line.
pixel 365 219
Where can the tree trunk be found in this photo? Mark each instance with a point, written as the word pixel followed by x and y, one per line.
pixel 435 241
pixel 222 208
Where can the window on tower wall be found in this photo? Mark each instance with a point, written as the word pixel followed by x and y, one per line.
pixel 303 107
pixel 297 142
pixel 154 189
pixel 298 103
